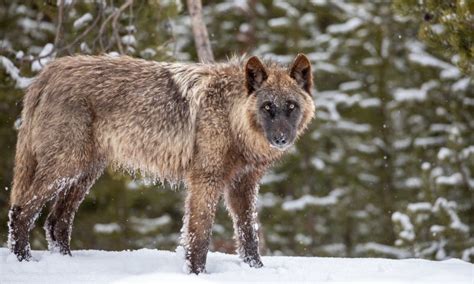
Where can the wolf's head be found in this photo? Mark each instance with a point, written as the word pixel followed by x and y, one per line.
pixel 283 98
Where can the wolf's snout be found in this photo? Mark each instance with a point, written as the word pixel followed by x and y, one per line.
pixel 280 140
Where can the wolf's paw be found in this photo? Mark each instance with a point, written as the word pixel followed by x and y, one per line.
pixel 254 262
pixel 57 238
pixel 195 269
pixel 57 247
pixel 22 254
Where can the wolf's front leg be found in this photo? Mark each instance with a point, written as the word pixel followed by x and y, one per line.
pixel 241 200
pixel 204 191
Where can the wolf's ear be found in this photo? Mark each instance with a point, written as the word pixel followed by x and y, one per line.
pixel 301 72
pixel 255 74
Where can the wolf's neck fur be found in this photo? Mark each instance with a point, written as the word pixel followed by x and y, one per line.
pixel 194 78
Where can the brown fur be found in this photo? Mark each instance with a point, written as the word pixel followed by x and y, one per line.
pixel 191 122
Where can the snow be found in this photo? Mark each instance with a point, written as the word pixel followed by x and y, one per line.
pixel 461 85
pixel 330 100
pixel 131 29
pixel 409 95
pixel 454 179
pixel 380 248
pixel 318 163
pixel 346 27
pixel 468 101
pixel 466 152
pixel 325 67
pixel 153 266
pixel 444 153
pixel 350 86
pixel 148 53
pixel 401 144
pixel 107 228
pixel 306 19
pixel 319 2
pixel 20 54
pixel 449 207
pixel 223 7
pixel 113 54
pixel 352 127
pixel 413 182
pixel 272 177
pixel 429 141
pixel 352 9
pixel 146 225
pixel 45 56
pixel 408 232
pixel 14 72
pixel 419 56
pixel 302 239
pixel 29 25
pixel 85 48
pixel 82 21
pixel 368 178
pixel 419 207
pixel 450 73
pixel 365 148
pixel 369 103
pixel 5 44
pixel 66 2
pixel 467 252
pixel 287 7
pixel 438 29
pixel 425 59
pixel 278 22
pixel 413 94
pixel 129 40
pixel 440 127
pixel 302 202
pixel 267 199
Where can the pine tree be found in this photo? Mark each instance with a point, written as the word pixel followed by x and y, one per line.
pixel 445 25
pixel 435 220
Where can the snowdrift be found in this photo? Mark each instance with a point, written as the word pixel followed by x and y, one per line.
pixel 154 266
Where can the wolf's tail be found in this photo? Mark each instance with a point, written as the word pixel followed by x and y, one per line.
pixel 25 161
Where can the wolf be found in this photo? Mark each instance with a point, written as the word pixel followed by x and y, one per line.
pixel 215 127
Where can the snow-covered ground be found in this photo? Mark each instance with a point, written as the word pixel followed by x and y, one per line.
pixel 153 266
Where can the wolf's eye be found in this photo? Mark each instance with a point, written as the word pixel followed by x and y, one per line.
pixel 291 106
pixel 267 107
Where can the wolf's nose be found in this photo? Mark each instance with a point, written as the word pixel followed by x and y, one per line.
pixel 280 140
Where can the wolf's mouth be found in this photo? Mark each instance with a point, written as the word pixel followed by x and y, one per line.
pixel 280 147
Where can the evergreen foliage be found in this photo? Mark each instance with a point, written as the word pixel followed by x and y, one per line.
pixel 445 25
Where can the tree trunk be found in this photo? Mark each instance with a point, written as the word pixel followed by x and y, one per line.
pixel 201 37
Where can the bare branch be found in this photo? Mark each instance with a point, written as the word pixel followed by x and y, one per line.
pixel 83 34
pixel 59 28
pixel 114 24
pixel 114 17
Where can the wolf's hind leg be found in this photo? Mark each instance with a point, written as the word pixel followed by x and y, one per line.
pixel 25 208
pixel 58 225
